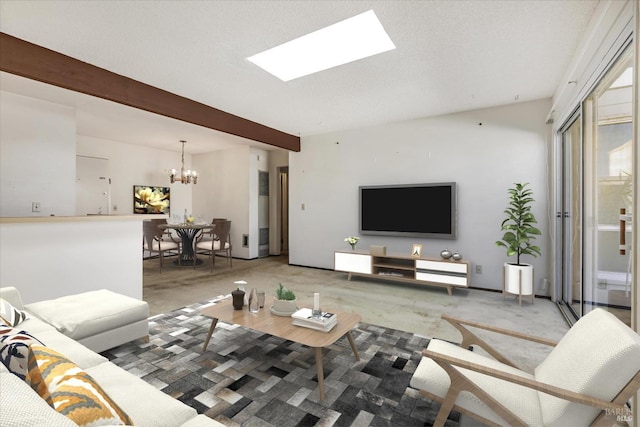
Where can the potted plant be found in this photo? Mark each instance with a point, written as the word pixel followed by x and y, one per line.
pixel 285 302
pixel 519 234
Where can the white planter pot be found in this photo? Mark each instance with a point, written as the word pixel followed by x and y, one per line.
pixel 518 279
pixel 284 307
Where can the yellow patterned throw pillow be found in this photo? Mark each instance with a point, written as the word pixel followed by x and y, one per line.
pixel 70 390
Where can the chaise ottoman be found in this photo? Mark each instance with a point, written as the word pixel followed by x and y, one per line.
pixel 100 320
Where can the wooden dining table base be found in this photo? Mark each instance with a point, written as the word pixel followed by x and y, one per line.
pixel 280 326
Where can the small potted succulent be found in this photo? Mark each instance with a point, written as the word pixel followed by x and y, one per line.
pixel 285 302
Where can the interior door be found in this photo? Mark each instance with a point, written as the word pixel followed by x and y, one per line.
pixel 283 173
pixel 263 214
pixel 92 186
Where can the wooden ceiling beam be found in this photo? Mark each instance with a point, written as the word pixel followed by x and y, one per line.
pixel 35 62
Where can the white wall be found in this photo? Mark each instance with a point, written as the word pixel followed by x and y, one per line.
pixel 51 259
pixel 131 165
pixel 37 152
pixel 228 188
pixel 39 145
pixel 485 160
pixel 223 191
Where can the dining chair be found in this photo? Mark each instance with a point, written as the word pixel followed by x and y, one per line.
pixel 165 233
pixel 208 236
pixel 155 240
pixel 220 243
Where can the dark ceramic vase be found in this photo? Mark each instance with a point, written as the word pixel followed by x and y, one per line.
pixel 238 299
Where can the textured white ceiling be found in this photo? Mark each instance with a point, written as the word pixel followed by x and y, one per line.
pixel 450 56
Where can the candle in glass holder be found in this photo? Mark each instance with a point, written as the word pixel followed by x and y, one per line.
pixel 316 305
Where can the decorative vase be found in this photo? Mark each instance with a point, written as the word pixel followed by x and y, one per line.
pixel 456 256
pixel 254 304
pixel 446 254
pixel 353 246
pixel 238 299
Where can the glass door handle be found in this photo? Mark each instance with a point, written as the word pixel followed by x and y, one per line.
pixel 622 241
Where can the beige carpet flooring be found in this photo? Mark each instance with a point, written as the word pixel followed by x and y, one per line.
pixel 413 308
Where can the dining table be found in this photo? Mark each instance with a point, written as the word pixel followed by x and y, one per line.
pixel 188 233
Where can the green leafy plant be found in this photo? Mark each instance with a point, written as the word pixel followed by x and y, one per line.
pixel 283 293
pixel 519 226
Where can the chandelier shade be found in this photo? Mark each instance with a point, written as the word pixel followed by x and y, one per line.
pixel 187 176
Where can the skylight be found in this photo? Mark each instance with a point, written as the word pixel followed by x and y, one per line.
pixel 354 38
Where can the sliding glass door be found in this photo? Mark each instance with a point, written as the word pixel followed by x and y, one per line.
pixel 570 217
pixel 608 134
pixel 596 198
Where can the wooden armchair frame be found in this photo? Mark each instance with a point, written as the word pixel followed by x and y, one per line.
pixel 460 382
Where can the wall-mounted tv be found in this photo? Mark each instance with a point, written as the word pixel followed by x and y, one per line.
pixel 148 199
pixel 411 210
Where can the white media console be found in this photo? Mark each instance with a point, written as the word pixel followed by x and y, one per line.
pixel 427 271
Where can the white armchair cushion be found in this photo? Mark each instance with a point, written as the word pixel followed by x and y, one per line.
pixel 523 401
pixel 597 357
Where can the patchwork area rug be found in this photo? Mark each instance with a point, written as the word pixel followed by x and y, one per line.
pixel 247 378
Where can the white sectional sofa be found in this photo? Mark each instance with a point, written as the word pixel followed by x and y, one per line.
pixel 145 405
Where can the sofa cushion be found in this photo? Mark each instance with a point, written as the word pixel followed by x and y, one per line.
pixel 144 403
pixel 14 349
pixel 22 407
pixel 10 315
pixel 12 294
pixel 70 390
pixel 90 313
pixel 73 350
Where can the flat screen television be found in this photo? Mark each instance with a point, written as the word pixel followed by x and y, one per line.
pixel 411 210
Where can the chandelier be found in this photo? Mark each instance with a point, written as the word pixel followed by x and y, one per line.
pixel 186 176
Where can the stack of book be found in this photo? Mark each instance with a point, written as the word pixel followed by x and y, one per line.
pixel 324 322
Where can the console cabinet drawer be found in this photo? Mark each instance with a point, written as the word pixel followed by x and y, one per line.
pixel 353 263
pixel 436 277
pixel 443 266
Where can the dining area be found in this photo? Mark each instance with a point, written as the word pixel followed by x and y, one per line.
pixel 187 242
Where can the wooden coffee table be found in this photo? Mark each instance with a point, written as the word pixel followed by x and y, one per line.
pixel 279 326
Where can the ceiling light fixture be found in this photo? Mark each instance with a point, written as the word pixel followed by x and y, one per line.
pixel 346 41
pixel 186 176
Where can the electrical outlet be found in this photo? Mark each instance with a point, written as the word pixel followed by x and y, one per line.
pixel 478 269
pixel 35 206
